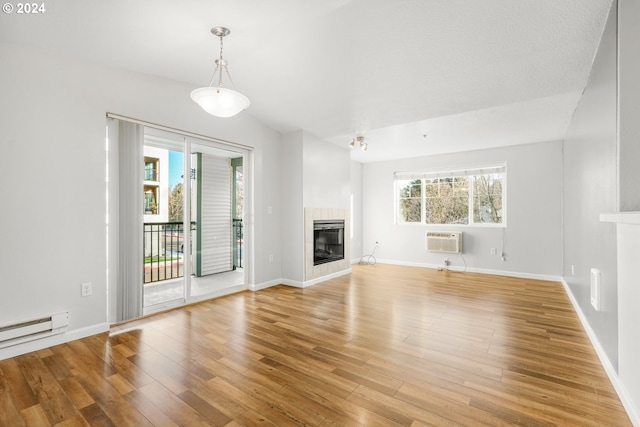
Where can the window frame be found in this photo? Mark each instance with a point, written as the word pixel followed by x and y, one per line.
pixel 471 172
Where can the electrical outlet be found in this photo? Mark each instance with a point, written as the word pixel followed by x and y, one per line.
pixel 270 257
pixel 86 289
pixel 494 251
pixel 573 269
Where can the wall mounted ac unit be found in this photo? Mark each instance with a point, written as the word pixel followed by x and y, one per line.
pixel 444 241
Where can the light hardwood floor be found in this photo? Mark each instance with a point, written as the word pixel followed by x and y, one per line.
pixel 384 346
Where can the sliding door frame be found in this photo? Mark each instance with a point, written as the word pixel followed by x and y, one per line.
pixel 244 151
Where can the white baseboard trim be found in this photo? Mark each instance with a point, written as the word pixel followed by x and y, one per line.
pixel 327 277
pixel 626 400
pixel 298 284
pixel 292 283
pixel 456 269
pixel 275 282
pixel 265 285
pixel 52 340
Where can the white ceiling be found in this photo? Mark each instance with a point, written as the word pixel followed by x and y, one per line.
pixel 468 74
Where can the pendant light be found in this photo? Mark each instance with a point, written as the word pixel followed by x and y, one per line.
pixel 217 100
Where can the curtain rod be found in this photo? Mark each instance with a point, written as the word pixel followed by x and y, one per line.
pixel 469 169
pixel 178 131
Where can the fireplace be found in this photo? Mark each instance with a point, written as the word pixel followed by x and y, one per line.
pixel 326 253
pixel 328 241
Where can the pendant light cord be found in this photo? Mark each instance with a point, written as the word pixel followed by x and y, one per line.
pixel 220 64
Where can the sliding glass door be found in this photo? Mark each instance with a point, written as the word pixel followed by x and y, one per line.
pixel 216 237
pixel 176 226
pixel 191 223
pixel 164 228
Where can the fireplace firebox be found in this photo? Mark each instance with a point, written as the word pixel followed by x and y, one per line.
pixel 328 241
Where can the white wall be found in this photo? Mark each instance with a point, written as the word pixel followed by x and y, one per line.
pixel 292 207
pixel 315 174
pixel 629 94
pixel 533 236
pixel 629 236
pixel 326 174
pixel 52 165
pixel 356 212
pixel 601 153
pixel 628 379
pixel 590 186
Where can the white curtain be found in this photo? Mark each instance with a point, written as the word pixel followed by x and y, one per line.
pixel 126 202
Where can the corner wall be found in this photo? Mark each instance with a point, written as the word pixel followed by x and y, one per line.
pixel 601 152
pixel 628 98
pixel 315 174
pixel 629 157
pixel 292 208
pixel 590 188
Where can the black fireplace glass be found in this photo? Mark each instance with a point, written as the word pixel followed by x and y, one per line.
pixel 328 241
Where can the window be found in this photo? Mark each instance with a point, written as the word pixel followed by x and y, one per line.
pixel 150 200
pixel 410 200
pixel 151 169
pixel 472 196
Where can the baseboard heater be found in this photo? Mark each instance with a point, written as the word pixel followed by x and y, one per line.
pixel 29 330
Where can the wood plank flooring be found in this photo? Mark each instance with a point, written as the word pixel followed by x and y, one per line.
pixel 384 346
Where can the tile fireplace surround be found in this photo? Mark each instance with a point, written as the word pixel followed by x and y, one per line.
pixel 311 271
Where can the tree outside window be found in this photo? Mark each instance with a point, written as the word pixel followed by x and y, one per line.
pixel 175 203
pixel 467 197
pixel 487 199
pixel 447 200
pixel 410 200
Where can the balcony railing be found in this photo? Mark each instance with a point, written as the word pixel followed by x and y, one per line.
pixel 151 175
pixel 163 246
pixel 237 243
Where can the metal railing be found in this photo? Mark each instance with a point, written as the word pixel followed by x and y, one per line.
pixel 163 246
pixel 151 175
pixel 237 237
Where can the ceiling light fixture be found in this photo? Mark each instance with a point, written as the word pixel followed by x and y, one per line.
pixel 363 146
pixel 219 101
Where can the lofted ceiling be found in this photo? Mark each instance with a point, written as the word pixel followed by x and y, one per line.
pixel 414 77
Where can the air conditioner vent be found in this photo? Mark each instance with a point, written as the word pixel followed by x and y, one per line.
pixel 444 241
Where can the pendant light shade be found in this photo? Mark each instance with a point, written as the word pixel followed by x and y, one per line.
pixel 220 102
pixel 217 100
